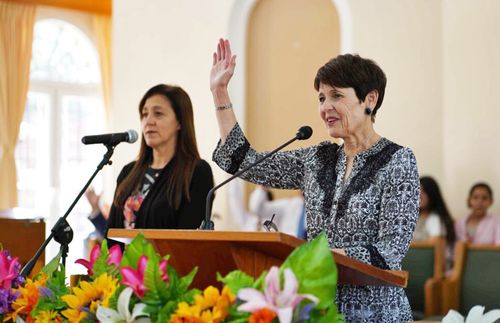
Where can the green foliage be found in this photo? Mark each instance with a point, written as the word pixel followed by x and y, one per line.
pixel 236 280
pixel 162 297
pixel 52 266
pixel 50 295
pixel 315 269
pixel 101 264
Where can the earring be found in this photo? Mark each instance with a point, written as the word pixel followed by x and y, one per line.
pixel 368 111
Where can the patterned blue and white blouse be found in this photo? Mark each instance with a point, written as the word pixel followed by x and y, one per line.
pixel 371 214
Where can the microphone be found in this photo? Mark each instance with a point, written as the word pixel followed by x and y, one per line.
pixel 111 139
pixel 303 133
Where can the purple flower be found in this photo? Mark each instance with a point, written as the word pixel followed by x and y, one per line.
pixel 6 300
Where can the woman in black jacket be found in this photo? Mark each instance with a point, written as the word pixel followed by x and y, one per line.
pixel 166 187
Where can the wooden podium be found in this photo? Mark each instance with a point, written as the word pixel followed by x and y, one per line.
pixel 251 252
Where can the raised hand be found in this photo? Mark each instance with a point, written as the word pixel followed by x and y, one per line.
pixel 93 199
pixel 223 66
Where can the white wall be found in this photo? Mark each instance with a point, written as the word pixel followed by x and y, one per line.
pixel 471 92
pixel 440 58
pixel 158 41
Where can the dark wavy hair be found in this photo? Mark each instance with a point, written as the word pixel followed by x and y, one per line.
pixel 438 205
pixel 186 154
pixel 348 70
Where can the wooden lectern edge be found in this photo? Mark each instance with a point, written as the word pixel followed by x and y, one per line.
pixel 385 277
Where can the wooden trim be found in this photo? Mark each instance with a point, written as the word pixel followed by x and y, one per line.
pixel 452 284
pixel 483 247
pixel 102 7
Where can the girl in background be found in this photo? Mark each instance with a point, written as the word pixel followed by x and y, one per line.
pixel 434 218
pixel 479 226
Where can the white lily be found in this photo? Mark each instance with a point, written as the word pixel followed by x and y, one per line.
pixel 475 316
pixel 123 315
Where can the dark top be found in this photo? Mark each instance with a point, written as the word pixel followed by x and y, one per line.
pixel 371 214
pixel 99 222
pixel 156 212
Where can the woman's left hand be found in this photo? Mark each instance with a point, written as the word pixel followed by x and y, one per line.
pixel 223 66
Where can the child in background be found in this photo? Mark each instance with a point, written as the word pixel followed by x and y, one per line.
pixel 434 219
pixel 479 226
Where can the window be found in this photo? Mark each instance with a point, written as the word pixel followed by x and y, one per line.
pixel 64 103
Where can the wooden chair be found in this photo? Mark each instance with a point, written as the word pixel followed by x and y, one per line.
pixel 474 279
pixel 425 262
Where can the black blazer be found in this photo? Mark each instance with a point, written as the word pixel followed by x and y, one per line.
pixel 157 213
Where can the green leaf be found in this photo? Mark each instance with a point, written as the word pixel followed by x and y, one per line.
pixel 236 280
pixel 332 316
pixel 315 269
pixel 101 264
pixel 52 266
pixel 134 251
pixel 186 281
pixel 57 284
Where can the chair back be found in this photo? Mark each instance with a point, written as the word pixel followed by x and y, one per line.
pixel 480 283
pixel 425 260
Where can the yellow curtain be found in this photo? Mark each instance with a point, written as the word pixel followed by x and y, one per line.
pixel 16 37
pixel 102 31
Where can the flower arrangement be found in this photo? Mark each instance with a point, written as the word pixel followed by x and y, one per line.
pixel 476 315
pixel 139 285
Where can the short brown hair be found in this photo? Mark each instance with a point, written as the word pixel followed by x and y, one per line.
pixel 348 70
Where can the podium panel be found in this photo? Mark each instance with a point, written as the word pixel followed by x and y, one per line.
pixel 250 252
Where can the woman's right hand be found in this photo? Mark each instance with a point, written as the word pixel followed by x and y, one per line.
pixel 223 66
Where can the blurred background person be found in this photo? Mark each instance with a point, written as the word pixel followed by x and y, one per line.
pixel 479 226
pixel 434 220
pixel 288 214
pixel 98 215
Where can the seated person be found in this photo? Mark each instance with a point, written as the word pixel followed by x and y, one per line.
pixel 434 219
pixel 479 226
pixel 289 215
pixel 98 215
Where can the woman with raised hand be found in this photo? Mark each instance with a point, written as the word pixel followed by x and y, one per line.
pixel 364 193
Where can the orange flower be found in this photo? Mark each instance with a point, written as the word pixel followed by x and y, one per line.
pixel 28 298
pixel 264 315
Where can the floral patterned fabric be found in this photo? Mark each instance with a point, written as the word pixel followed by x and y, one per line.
pixel 371 215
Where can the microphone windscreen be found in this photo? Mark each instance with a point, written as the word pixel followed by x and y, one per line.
pixel 132 136
pixel 304 132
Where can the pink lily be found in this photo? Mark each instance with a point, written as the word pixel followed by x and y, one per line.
pixel 282 302
pixel 163 270
pixel 8 267
pixel 135 278
pixel 115 257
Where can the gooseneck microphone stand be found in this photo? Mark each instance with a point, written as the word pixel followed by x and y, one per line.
pixel 304 132
pixel 61 231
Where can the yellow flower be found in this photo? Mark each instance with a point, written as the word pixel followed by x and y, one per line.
pixel 28 298
pixel 48 317
pixel 88 295
pixel 210 307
